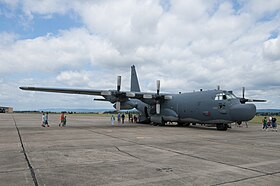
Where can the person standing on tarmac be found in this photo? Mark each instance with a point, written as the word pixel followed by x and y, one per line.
pixel 265 123
pixel 123 116
pixel 43 119
pixel 61 119
pixel 112 119
pixel 64 122
pixel 274 124
pixel 119 118
pixel 47 119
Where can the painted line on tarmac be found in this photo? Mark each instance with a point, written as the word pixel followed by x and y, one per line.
pixel 25 155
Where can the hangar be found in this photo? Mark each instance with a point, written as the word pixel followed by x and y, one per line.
pixel 6 109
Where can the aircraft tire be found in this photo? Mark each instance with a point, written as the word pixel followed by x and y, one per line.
pixel 161 124
pixel 180 124
pixel 222 127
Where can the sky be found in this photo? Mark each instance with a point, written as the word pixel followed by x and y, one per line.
pixel 188 45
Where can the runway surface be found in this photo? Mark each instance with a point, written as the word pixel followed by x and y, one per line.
pixel 89 151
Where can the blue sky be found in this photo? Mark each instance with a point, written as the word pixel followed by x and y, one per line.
pixel 189 45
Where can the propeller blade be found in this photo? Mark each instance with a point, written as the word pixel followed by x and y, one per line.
pixel 118 106
pixel 119 83
pixel 158 86
pixel 243 100
pixel 258 100
pixel 158 108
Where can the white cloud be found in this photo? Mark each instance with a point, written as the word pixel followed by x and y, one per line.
pixel 188 45
pixel 70 49
pixel 272 49
pixel 73 78
pixel 262 9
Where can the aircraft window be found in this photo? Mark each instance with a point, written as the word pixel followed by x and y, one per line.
pixel 224 96
pixel 221 96
pixel 230 96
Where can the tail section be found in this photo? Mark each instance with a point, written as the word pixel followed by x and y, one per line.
pixel 134 84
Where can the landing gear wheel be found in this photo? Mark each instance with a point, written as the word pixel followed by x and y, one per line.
pixel 222 127
pixel 179 124
pixel 161 124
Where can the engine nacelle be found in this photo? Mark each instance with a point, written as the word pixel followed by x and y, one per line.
pixel 165 116
pixel 126 105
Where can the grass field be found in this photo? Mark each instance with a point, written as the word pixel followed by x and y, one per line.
pixel 258 119
pixel 255 120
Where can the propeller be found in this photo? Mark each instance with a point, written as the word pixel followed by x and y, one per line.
pixel 117 94
pixel 243 100
pixel 119 81
pixel 158 98
pixel 118 103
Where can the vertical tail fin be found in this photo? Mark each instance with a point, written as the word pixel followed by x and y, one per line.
pixel 134 84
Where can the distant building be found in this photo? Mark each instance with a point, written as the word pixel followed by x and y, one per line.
pixel 6 109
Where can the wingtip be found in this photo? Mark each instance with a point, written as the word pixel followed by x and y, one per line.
pixel 24 88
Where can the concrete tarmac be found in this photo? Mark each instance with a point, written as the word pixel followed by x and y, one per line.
pixel 89 151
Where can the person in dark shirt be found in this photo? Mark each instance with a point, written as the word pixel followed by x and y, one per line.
pixel 265 123
pixel 274 124
pixel 123 116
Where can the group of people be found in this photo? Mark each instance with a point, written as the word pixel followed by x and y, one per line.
pixel 132 118
pixel 45 120
pixel 121 118
pixel 270 123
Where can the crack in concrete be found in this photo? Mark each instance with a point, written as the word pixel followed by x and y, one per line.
pixel 33 175
pixel 243 179
pixel 127 153
pixel 197 157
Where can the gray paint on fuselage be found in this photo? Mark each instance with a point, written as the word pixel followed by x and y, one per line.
pixel 201 107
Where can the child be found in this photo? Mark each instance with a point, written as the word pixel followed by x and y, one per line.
pixel 64 121
pixel 43 119
pixel 265 124
pixel 112 119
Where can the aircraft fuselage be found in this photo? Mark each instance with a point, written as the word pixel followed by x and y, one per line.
pixel 205 107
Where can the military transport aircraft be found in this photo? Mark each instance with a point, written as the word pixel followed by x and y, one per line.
pixel 215 107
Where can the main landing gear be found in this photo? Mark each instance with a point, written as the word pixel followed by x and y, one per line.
pixel 222 127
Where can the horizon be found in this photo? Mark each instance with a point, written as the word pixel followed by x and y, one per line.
pixel 188 45
pixel 101 109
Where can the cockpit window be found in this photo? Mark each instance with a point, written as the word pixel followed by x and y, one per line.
pixel 224 96
pixel 230 96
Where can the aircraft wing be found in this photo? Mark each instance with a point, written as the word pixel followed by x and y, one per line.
pixel 123 94
pixel 113 96
pixel 67 90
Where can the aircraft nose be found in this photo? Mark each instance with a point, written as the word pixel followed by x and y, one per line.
pixel 242 112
